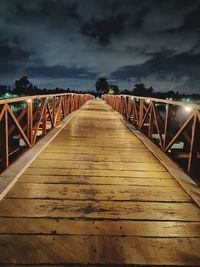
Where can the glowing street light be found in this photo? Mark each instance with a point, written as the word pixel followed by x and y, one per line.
pixel 188 108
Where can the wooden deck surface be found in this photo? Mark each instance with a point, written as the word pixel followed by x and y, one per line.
pixel 97 195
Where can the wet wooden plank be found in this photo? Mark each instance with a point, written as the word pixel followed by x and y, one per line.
pixel 93 157
pixel 94 149
pixel 139 166
pixel 98 192
pixel 112 145
pixel 101 209
pixel 95 227
pixel 99 250
pixel 100 173
pixel 93 180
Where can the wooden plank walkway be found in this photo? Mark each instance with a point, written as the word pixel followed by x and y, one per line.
pixel 97 195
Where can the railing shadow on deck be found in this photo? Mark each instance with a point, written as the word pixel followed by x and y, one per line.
pixel 173 126
pixel 24 120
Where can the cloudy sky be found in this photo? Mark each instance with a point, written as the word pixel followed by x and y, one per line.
pixel 70 43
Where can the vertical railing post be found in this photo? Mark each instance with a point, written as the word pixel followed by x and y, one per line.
pixel 76 105
pixel 72 103
pixel 78 101
pixel 141 112
pixel 121 104
pixel 78 96
pixel 44 118
pixel 167 125
pixel 82 100
pixel 150 129
pixel 74 98
pixel 133 110
pixel 68 104
pixel 64 106
pixel 194 145
pixel 126 106
pixel 118 103
pixel 114 102
pixel 54 110
pixel 60 110
pixel 4 139
pixel 30 121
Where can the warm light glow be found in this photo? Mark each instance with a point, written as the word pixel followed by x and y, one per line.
pixel 188 108
pixel 147 100
pixel 29 100
pixel 111 92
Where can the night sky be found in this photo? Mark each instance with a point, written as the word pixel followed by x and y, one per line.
pixel 64 43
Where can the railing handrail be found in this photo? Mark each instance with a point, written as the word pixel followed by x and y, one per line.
pixel 159 100
pixel 33 120
pixel 175 134
pixel 25 98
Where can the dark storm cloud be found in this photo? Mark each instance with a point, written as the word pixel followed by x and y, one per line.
pixel 8 68
pixel 191 19
pixel 12 53
pixel 162 64
pixel 123 40
pixel 102 30
pixel 61 72
pixel 42 11
pixel 138 20
pixel 181 70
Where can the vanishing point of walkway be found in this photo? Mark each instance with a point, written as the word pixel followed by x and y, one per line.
pixel 97 195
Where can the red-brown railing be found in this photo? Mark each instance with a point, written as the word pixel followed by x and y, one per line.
pixel 173 126
pixel 24 120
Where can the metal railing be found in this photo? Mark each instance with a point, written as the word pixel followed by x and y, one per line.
pixel 24 120
pixel 173 126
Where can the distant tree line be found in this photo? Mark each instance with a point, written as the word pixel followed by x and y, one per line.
pixel 24 87
pixel 139 89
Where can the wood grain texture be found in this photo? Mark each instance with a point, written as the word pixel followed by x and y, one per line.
pixel 98 192
pixel 99 210
pixel 97 195
pixel 98 157
pixel 99 250
pixel 100 173
pixel 95 227
pixel 90 165
pixel 99 180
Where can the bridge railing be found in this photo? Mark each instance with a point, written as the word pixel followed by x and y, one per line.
pixel 173 126
pixel 24 120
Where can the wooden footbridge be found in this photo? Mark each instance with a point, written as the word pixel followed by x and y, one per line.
pixel 97 193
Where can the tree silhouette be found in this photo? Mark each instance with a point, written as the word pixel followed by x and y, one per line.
pixel 23 86
pixel 102 85
pixel 141 90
